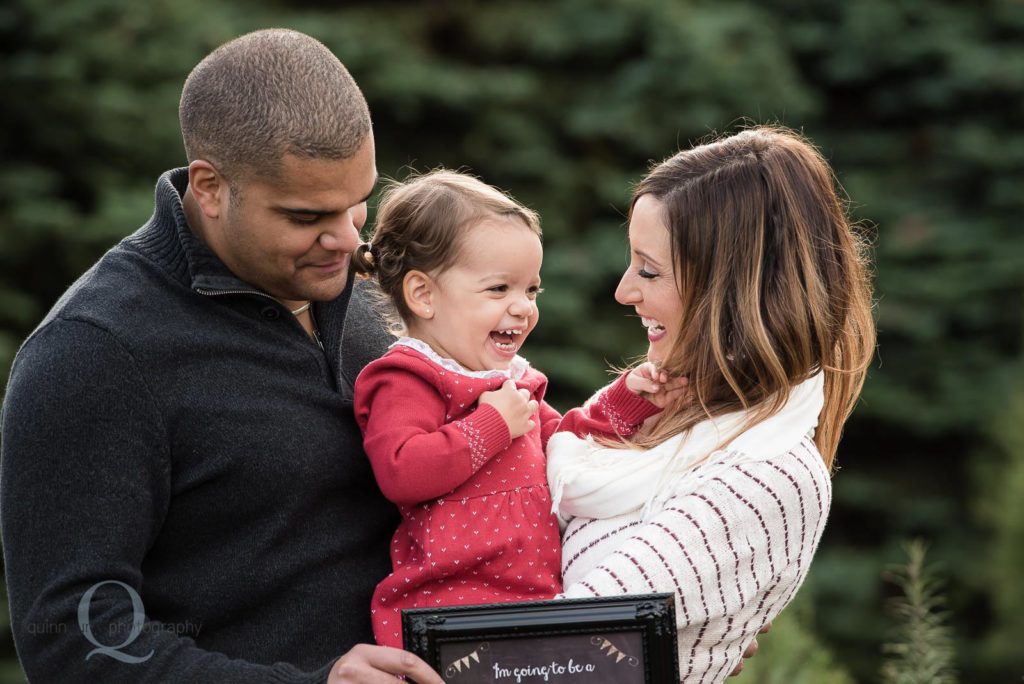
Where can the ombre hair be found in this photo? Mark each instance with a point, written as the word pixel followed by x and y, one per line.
pixel 420 225
pixel 773 278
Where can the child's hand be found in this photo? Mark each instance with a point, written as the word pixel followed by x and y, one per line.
pixel 655 385
pixel 514 405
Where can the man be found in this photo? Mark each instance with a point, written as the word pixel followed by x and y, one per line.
pixel 184 493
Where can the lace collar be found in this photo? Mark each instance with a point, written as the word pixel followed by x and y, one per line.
pixel 516 369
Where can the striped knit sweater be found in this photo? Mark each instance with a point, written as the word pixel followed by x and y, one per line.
pixel 734 551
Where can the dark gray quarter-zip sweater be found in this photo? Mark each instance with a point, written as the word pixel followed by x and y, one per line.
pixel 171 428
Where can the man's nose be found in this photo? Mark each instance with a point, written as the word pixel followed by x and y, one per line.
pixel 340 235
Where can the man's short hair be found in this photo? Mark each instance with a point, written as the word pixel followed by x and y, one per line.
pixel 267 94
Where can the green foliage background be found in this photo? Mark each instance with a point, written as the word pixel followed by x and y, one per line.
pixel 917 104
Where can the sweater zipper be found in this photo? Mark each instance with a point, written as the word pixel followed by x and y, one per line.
pixel 214 293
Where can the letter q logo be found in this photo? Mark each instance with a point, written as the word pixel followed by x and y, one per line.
pixel 138 618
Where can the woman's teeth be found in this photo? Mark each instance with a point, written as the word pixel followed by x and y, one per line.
pixel 652 325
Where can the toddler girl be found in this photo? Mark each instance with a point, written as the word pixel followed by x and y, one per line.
pixel 454 420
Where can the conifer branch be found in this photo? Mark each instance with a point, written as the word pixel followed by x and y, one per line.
pixel 923 650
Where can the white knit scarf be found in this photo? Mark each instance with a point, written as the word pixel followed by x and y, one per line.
pixel 592 481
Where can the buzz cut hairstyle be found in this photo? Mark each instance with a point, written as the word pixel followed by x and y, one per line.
pixel 267 94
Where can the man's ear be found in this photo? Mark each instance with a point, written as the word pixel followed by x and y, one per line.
pixel 418 290
pixel 208 187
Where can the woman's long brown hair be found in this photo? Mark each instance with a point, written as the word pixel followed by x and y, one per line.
pixel 773 278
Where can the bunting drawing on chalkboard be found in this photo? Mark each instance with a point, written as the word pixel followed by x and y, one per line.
pixel 465 662
pixel 613 651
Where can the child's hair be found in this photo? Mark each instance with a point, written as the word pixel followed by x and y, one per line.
pixel 419 226
pixel 774 282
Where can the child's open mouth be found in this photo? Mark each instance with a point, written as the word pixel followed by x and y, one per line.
pixel 507 341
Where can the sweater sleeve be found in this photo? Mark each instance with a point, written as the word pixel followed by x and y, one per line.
pixel 550 419
pixel 85 482
pixel 416 453
pixel 734 552
pixel 614 411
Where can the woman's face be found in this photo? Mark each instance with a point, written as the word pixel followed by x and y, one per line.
pixel 649 284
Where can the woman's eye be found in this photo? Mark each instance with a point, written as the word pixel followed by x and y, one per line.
pixel 644 273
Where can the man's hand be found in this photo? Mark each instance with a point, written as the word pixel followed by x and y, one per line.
pixel 366 664
pixel 655 385
pixel 514 405
pixel 751 650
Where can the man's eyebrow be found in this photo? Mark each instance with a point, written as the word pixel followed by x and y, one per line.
pixel 325 212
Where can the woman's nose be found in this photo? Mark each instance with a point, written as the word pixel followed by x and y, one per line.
pixel 626 293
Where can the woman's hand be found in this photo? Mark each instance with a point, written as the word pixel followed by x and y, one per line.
pixel 655 385
pixel 367 664
pixel 750 651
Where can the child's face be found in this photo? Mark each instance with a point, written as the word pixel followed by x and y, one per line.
pixel 483 307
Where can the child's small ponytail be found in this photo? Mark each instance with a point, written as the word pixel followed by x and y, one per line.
pixel 364 259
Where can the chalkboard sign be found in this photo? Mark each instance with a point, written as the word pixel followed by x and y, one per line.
pixel 607 640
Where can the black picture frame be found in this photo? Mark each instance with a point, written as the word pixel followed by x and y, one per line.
pixel 620 639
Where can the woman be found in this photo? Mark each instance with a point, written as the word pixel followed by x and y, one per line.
pixel 752 285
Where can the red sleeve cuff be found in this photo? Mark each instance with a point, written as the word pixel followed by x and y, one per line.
pixel 628 407
pixel 487 434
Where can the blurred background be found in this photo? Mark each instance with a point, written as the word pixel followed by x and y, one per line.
pixel 917 104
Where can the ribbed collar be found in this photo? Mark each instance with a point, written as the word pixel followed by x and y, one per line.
pixel 167 240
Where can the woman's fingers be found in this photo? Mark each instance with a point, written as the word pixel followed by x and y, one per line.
pixel 366 664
